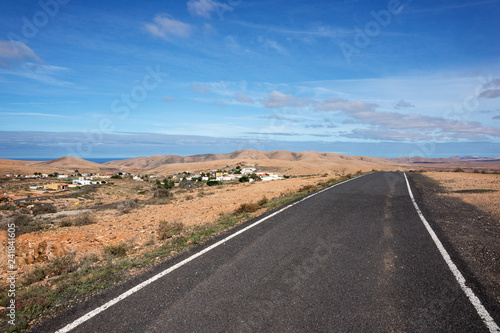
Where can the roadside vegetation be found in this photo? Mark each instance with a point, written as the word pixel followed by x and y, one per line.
pixel 60 283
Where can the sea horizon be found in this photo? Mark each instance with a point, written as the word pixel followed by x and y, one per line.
pixel 44 159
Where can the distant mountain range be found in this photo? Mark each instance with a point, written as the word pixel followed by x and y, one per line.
pixel 154 161
pixel 298 163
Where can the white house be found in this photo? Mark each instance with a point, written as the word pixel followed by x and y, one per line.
pixel 271 177
pixel 82 181
pixel 62 176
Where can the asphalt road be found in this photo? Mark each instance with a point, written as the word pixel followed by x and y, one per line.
pixel 354 258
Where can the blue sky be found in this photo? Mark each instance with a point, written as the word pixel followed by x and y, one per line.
pixel 129 78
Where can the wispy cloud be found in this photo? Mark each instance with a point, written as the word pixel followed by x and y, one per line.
pixel 169 99
pixel 452 6
pixel 367 114
pixel 273 45
pixel 40 72
pixel 15 53
pixel 277 99
pixel 243 98
pixel 205 8
pixel 403 104
pixel 201 89
pixel 165 27
pixel 35 114
pixel 491 89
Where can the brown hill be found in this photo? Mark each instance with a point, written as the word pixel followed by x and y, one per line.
pixel 72 163
pixel 280 161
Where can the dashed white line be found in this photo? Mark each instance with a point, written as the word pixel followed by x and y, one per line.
pixel 126 294
pixel 476 302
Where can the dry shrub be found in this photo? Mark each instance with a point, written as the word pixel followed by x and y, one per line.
pixel 116 250
pixel 307 188
pixel 44 208
pixel 8 206
pixel 126 206
pixel 167 229
pixel 247 208
pixel 262 201
pixel 162 193
pixel 84 219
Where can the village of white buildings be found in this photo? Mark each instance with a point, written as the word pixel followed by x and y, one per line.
pixel 74 179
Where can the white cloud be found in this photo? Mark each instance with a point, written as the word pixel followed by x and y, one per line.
pixel 403 104
pixel 492 89
pixel 168 99
pixel 205 8
pixel 271 44
pixel 416 127
pixel 35 114
pixel 278 99
pixel 492 93
pixel 13 53
pixel 39 72
pixel 198 88
pixel 387 135
pixel 243 98
pixel 166 27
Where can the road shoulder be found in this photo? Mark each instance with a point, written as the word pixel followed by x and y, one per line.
pixel 471 236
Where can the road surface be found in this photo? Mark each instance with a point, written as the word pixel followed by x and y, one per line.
pixel 353 258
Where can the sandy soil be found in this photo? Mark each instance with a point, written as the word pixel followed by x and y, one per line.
pixel 458 181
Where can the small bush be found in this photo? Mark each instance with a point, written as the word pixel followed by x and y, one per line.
pixel 26 223
pixel 213 183
pixel 458 170
pixel 189 197
pixel 307 188
pixel 167 230
pixel 244 179
pixel 84 219
pixel 126 206
pixel 61 265
pixel 65 223
pixel 247 208
pixel 262 201
pixel 8 206
pixel 38 274
pixel 162 193
pixel 116 250
pixel 44 209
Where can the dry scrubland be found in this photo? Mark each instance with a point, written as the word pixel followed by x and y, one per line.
pixel 123 227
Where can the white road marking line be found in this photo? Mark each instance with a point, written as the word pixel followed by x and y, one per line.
pixel 126 294
pixel 476 302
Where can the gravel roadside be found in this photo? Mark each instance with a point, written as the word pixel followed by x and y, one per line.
pixel 471 236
